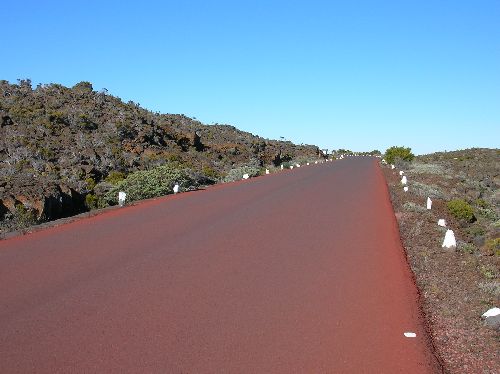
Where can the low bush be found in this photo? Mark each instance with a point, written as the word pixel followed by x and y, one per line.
pixel 461 210
pixel 237 173
pixel 147 184
pixel 401 153
pixel 115 177
pixel 91 201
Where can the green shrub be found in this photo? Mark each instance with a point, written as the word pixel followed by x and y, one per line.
pixel 115 177
pixel 90 183
pixel 24 216
pixel 146 184
pixel 91 201
pixel 402 153
pixel 461 210
pixel 493 245
pixel 211 173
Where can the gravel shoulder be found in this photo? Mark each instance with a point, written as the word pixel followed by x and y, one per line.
pixel 456 285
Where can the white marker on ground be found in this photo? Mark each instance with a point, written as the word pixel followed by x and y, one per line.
pixel 401 172
pixel 267 171
pixel 449 240
pixel 442 222
pixel 405 189
pixel 410 334
pixel 121 198
pixel 246 176
pixel 429 203
pixel 404 180
pixel 176 188
pixel 491 312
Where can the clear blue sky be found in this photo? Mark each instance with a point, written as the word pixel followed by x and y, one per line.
pixel 351 74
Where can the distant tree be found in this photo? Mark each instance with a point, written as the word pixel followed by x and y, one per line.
pixel 402 153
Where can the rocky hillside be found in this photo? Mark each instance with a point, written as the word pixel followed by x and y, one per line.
pixel 61 148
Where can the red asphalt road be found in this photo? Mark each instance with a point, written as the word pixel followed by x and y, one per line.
pixel 296 272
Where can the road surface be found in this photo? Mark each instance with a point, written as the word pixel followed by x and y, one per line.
pixel 296 272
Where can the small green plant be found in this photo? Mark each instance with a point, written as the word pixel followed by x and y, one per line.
pixel 210 172
pixel 481 203
pixel 493 245
pixel 467 247
pixel 90 183
pixel 488 271
pixel 24 216
pixel 91 201
pixel 115 177
pixel 402 153
pixel 461 209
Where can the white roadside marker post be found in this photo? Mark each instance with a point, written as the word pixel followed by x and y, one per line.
pixel 401 172
pixel 246 176
pixel 267 171
pixel 122 196
pixel 405 188
pixel 281 167
pixel 291 167
pixel 449 240
pixel 492 318
pixel 176 188
pixel 392 166
pixel 441 222
pixel 404 180
pixel 429 203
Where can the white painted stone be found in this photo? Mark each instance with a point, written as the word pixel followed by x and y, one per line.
pixel 176 188
pixel 281 167
pixel 291 166
pixel 246 176
pixel 429 203
pixel 401 172
pixel 442 222
pixel 404 180
pixel 316 162
pixel 392 166
pixel 410 334
pixel 405 188
pixel 492 318
pixel 267 171
pixel 122 196
pixel 307 164
pixel 298 165
pixel 449 240
pixel 491 312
